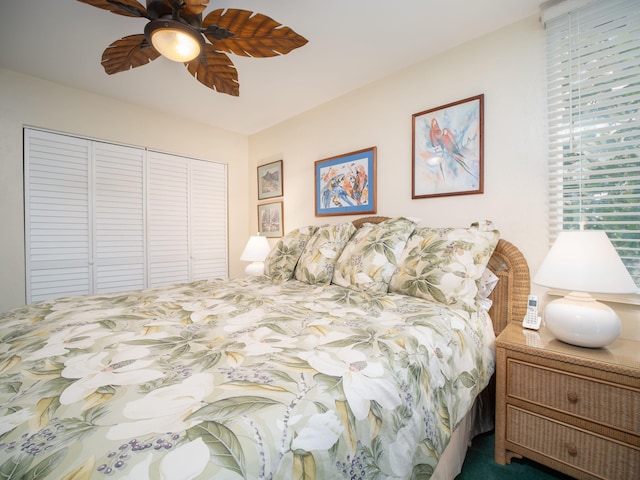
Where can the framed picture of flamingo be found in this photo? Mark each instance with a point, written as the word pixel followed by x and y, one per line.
pixel 346 184
pixel 448 145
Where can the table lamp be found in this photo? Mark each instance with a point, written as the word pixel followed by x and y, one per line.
pixel 583 262
pixel 255 251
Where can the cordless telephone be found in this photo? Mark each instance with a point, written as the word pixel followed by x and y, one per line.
pixel 531 319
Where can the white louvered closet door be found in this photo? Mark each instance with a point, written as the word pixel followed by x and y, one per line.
pixel 119 218
pixel 208 220
pixel 168 218
pixel 186 218
pixel 58 215
pixel 84 216
pixel 103 218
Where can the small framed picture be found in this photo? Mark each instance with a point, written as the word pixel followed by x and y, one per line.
pixel 270 180
pixel 271 219
pixel 346 184
pixel 448 143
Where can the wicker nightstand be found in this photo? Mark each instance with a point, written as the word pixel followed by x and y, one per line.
pixel 574 409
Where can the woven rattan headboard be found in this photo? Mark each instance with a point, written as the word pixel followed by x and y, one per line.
pixel 510 295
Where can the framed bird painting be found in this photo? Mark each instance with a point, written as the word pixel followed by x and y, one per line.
pixel 346 184
pixel 448 149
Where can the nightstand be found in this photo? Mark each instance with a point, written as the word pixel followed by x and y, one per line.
pixel 574 409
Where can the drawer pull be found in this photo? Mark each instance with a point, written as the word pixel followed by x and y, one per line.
pixel 572 396
pixel 572 449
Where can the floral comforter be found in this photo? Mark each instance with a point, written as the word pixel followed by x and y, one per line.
pixel 235 379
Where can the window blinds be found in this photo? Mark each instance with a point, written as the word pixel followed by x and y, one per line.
pixel 593 87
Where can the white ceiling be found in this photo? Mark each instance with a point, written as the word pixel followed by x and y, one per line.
pixel 351 43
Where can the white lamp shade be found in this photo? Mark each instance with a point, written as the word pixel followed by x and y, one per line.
pixel 585 261
pixel 256 250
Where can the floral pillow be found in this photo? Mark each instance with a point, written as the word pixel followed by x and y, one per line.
pixel 318 260
pixel 445 264
pixel 283 257
pixel 370 257
pixel 486 285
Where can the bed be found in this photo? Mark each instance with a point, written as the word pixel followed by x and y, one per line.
pixel 363 352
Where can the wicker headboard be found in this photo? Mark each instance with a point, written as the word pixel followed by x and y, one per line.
pixel 510 295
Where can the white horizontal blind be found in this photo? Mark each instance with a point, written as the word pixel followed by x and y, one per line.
pixel 119 218
pixel 208 200
pixel 593 83
pixel 168 218
pixel 57 215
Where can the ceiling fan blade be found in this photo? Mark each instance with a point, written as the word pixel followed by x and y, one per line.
pixel 128 8
pixel 215 71
pixel 188 7
pixel 195 7
pixel 254 35
pixel 128 52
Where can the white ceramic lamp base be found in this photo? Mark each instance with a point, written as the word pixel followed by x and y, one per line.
pixel 580 320
pixel 254 269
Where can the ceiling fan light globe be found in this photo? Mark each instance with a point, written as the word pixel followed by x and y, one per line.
pixel 174 40
pixel 174 45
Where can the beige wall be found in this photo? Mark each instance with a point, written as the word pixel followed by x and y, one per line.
pixel 508 67
pixel 29 101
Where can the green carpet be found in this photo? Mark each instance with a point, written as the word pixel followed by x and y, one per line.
pixel 479 464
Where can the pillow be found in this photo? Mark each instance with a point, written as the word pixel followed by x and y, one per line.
pixel 444 264
pixel 370 257
pixel 281 260
pixel 319 257
pixel 486 285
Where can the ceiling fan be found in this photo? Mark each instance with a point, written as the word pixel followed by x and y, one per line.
pixel 177 31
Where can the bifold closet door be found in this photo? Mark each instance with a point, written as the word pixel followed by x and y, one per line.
pixel 208 220
pixel 167 218
pixel 119 218
pixel 84 216
pixel 186 219
pixel 102 218
pixel 57 215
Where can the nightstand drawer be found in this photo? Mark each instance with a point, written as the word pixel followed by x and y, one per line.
pixel 589 398
pixel 575 448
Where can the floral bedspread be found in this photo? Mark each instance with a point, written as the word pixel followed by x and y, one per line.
pixel 235 379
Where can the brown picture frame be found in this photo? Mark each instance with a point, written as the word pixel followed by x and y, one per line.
pixel 271 219
pixel 448 149
pixel 270 180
